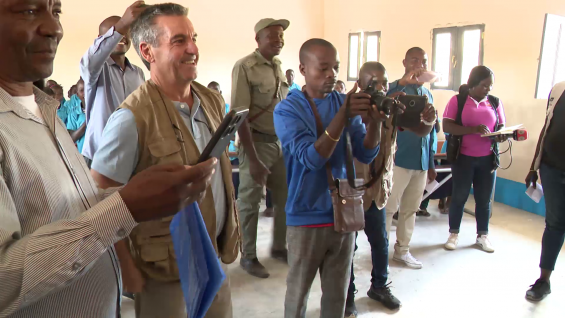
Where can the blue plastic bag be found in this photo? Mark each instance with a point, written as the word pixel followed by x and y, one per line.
pixel 200 271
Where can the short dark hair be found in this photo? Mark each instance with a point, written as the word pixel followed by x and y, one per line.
pixel 213 83
pixel 48 91
pixel 308 45
pixel 143 29
pixel 372 66
pixel 477 75
pixel 39 84
pixel 414 50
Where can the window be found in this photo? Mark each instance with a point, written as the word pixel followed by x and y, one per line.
pixel 456 50
pixel 372 46
pixel 354 56
pixel 363 47
pixel 552 57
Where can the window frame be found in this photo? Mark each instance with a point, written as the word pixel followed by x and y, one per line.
pixel 540 59
pixel 366 36
pixel 358 59
pixel 456 67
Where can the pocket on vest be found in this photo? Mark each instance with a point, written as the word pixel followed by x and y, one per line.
pixel 165 151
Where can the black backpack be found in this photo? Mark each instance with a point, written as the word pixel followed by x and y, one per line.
pixel 454 142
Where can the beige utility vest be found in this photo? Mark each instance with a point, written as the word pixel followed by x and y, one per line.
pixel 381 190
pixel 164 138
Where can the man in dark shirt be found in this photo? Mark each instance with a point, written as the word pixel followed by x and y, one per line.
pixel 549 161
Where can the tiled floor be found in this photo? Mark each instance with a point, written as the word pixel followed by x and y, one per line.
pixel 462 283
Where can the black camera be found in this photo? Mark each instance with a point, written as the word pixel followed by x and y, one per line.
pixel 385 104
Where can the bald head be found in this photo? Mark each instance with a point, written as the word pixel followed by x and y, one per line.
pixel 319 63
pixel 415 50
pixel 416 58
pixel 123 47
pixel 371 70
pixel 312 45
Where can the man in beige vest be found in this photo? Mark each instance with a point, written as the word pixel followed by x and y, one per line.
pixel 259 84
pixel 375 199
pixel 169 119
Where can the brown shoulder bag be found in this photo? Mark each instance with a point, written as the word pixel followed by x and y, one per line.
pixel 347 200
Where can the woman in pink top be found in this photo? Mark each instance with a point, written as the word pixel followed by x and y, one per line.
pixel 475 164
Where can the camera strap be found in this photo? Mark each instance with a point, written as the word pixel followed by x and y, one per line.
pixel 349 165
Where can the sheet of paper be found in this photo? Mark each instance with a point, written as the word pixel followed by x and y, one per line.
pixel 535 194
pixel 432 186
pixel 505 130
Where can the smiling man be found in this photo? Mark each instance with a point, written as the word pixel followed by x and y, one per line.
pixel 108 75
pixel 258 84
pixel 56 233
pixel 169 119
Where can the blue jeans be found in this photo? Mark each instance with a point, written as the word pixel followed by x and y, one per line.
pixel 553 181
pixel 477 171
pixel 375 228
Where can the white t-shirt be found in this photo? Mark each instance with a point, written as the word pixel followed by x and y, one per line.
pixel 29 103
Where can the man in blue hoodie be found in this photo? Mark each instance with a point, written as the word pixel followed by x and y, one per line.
pixel 313 244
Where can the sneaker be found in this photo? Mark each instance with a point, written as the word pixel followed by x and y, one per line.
pixel 452 241
pixel 484 243
pixel 539 290
pixel 384 296
pixel 408 260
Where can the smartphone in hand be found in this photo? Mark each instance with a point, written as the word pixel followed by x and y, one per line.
pixel 223 135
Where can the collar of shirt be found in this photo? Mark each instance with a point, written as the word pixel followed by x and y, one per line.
pixel 111 62
pixel 484 100
pixel 262 60
pixel 9 104
pixel 183 108
pixel 193 116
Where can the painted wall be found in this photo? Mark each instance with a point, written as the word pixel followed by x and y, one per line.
pixel 224 27
pixel 513 34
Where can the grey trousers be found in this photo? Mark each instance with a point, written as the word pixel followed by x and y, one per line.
pixel 249 197
pixel 310 250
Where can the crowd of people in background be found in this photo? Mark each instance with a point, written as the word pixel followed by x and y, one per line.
pixel 138 138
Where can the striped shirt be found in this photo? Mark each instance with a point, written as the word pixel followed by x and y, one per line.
pixel 56 253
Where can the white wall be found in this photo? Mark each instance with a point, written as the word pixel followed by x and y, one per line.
pixel 513 35
pixel 224 27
